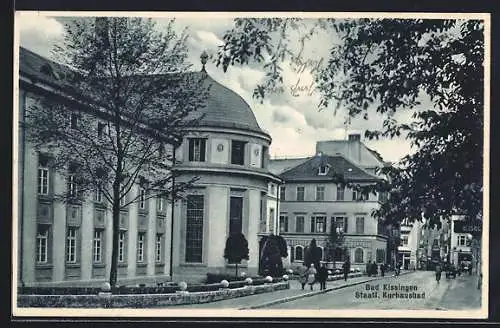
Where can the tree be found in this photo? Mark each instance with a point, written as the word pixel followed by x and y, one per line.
pixel 124 103
pixel 272 250
pixel 389 67
pixel 312 254
pixel 236 249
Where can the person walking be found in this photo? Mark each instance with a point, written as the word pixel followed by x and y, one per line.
pixel 311 275
pixel 304 271
pixel 438 272
pixel 322 276
pixel 382 269
pixel 346 267
pixel 374 269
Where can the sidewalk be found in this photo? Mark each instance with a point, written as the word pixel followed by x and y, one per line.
pixel 462 294
pixel 281 296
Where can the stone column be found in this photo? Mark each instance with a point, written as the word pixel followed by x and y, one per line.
pixel 151 236
pixel 131 239
pixel 87 235
pixel 59 229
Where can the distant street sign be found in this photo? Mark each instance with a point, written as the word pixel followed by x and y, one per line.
pixel 472 227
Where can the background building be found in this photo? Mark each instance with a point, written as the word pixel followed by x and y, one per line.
pixel 410 233
pixel 70 244
pixel 311 202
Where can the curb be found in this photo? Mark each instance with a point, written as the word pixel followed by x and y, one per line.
pixel 296 297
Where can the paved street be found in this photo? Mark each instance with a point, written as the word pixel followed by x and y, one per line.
pixel 454 294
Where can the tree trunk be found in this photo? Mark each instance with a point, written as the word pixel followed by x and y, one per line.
pixel 113 275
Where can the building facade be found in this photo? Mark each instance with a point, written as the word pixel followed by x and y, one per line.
pixel 460 243
pixel 408 250
pixel 69 244
pixel 311 202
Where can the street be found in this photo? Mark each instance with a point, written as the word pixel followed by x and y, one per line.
pixel 454 294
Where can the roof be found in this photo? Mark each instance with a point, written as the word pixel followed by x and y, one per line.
pixel 277 166
pixel 338 165
pixel 224 107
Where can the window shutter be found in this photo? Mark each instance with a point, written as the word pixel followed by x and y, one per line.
pixel 191 150
pixel 202 150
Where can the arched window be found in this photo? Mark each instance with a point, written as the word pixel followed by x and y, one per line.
pixel 299 253
pixel 358 255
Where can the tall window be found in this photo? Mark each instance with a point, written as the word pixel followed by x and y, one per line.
pixel 358 255
pixel 340 192
pixel 97 246
pixel 236 215
pixel 238 152
pixel 161 203
pixel 283 223
pixel 72 186
pixel 42 240
pixel 318 224
pixel 264 157
pixel 158 247
pixel 197 150
pixel 43 180
pixel 299 253
pixel 341 223
pixel 73 121
pixel 98 196
pixel 71 239
pixel 299 223
pixel 360 225
pixel 404 240
pixel 141 237
pixel 354 195
pixel 461 240
pixel 121 246
pixel 271 220
pixel 300 194
pixel 194 228
pixel 282 193
pixel 142 199
pixel 320 193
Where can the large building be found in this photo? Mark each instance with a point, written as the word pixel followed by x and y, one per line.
pixel 311 202
pixel 70 244
pixel 408 250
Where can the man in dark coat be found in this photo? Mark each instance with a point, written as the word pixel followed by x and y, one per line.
pixel 322 276
pixel 346 267
pixel 382 269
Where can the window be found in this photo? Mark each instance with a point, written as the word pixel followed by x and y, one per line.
pixel 43 181
pixel 197 150
pixel 98 196
pixel 194 228
pixel 273 189
pixel 282 193
pixel 142 199
pixel 72 187
pixel 264 157
pixel 323 170
pixel 382 196
pixel 161 203
pixel 360 225
pixel 354 195
pixel 341 223
pixel 320 193
pixel 320 253
pixel 358 255
pixel 271 220
pixel 318 224
pixel 238 152
pixel 141 237
pixel 300 194
pixel 42 240
pixel 71 245
pixel 236 215
pixel 299 253
pixel 121 247
pixel 283 223
pixel 299 224
pixel 100 129
pixel 74 121
pixel 97 246
pixel 462 240
pixel 404 240
pixel 380 255
pixel 158 247
pixel 340 192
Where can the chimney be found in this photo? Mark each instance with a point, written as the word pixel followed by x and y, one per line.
pixel 355 147
pixel 355 137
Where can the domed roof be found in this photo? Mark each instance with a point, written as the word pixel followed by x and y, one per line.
pixel 225 108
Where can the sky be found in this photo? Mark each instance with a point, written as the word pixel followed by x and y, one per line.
pixel 293 120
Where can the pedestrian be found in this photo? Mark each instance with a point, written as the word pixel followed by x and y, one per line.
pixel 382 269
pixel 346 267
pixel 322 276
pixel 438 272
pixel 374 269
pixel 303 276
pixel 311 275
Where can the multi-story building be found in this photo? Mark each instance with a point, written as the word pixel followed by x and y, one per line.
pixel 460 243
pixel 70 244
pixel 410 233
pixel 433 244
pixel 311 201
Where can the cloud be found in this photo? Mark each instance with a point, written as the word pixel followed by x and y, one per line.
pixel 39 33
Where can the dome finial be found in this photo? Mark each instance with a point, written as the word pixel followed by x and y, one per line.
pixel 204 58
